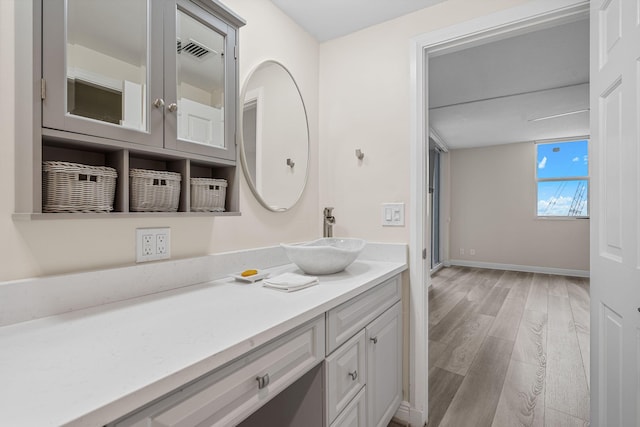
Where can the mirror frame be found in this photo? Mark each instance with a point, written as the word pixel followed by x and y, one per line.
pixel 243 159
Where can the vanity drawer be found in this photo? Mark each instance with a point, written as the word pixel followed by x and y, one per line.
pixel 227 396
pixel 345 371
pixel 355 414
pixel 348 318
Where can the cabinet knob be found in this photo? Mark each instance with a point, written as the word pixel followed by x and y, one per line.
pixel 354 375
pixel 374 340
pixel 158 102
pixel 263 381
pixel 173 107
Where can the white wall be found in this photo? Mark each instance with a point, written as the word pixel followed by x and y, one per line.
pixel 95 62
pixel 33 248
pixel 493 207
pixel 364 103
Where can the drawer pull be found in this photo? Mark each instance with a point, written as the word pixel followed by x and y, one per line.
pixel 263 381
pixel 353 375
pixel 374 340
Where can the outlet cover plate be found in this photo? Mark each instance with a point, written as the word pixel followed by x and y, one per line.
pixel 153 244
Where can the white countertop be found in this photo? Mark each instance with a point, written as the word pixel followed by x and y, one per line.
pixel 90 366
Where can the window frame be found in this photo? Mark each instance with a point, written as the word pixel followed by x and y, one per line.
pixel 586 178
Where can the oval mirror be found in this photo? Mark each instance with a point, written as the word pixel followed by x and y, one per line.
pixel 274 141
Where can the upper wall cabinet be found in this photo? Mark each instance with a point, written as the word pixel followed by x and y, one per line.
pixel 153 73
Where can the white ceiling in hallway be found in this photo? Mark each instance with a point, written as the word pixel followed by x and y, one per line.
pixel 328 19
pixel 491 94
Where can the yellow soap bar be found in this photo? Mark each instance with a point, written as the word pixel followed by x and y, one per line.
pixel 248 273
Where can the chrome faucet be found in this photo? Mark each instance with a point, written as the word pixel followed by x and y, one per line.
pixel 328 222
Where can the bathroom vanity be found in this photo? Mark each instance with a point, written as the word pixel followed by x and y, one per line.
pixel 210 352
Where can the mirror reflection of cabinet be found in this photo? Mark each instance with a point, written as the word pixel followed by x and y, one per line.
pixel 157 73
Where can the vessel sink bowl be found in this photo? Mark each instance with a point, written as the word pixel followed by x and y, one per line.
pixel 324 256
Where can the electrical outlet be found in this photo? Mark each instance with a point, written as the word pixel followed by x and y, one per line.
pixel 161 244
pixel 153 244
pixel 461 251
pixel 472 252
pixel 147 244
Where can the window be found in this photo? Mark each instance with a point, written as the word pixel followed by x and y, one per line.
pixel 562 175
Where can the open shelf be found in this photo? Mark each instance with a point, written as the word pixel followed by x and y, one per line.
pixel 61 146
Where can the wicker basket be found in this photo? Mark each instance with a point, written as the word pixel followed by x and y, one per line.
pixel 208 195
pixel 154 191
pixel 74 187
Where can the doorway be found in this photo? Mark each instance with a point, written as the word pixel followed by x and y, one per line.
pixel 492 27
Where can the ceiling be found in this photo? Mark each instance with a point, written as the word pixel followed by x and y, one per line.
pixel 329 19
pixel 492 94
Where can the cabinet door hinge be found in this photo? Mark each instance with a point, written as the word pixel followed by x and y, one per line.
pixel 424 254
pixel 43 88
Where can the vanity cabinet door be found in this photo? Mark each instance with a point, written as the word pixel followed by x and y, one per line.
pixel 346 374
pixel 355 414
pixel 102 67
pixel 384 366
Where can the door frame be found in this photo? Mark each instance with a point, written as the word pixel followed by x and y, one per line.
pixel 256 97
pixel 536 14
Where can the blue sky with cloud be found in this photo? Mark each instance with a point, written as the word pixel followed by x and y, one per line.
pixel 562 160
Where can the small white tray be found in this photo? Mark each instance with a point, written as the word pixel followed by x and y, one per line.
pixel 261 275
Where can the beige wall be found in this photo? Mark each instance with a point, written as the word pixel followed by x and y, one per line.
pixel 364 103
pixel 33 248
pixel 95 62
pixel 493 210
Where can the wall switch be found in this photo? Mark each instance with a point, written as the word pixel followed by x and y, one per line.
pixel 461 251
pixel 393 214
pixel 153 244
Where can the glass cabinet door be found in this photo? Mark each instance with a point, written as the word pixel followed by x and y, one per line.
pixel 199 81
pixel 154 72
pixel 99 68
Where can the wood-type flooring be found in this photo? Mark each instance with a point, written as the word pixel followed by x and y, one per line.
pixel 508 349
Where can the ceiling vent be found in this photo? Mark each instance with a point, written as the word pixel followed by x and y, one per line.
pixel 194 48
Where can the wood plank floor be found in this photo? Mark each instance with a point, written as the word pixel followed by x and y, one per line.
pixel 508 349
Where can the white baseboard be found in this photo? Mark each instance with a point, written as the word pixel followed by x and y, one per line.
pixel 515 267
pixel 407 414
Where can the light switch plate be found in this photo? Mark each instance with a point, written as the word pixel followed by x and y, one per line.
pixel 393 214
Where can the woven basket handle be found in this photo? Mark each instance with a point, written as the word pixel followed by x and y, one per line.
pixel 86 177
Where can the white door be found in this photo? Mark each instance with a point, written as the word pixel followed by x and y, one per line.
pixel 200 123
pixel 615 214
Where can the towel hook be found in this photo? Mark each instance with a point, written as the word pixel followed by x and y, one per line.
pixel 359 154
pixel 290 163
